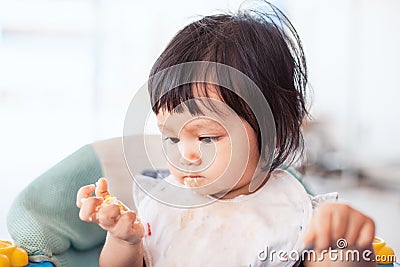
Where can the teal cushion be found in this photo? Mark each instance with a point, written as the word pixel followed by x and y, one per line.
pixel 44 218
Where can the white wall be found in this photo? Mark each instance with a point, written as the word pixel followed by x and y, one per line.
pixel 353 55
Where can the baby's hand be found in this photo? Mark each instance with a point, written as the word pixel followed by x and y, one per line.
pixel 334 221
pixel 113 217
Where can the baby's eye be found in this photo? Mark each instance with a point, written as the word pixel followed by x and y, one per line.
pixel 173 140
pixel 209 139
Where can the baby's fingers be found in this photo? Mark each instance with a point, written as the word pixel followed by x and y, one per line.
pixel 360 229
pixel 318 236
pixel 89 208
pixel 108 216
pixel 83 193
pixel 367 233
pixel 309 239
pixel 102 188
pixel 128 228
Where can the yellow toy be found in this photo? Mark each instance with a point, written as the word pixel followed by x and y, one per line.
pixel 11 255
pixel 384 254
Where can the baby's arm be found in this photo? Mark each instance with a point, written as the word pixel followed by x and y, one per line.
pixel 334 221
pixel 123 246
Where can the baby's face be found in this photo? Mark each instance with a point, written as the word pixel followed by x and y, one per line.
pixel 213 154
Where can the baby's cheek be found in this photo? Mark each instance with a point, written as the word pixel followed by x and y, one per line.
pixel 174 172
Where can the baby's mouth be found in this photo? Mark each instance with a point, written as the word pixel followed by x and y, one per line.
pixel 193 181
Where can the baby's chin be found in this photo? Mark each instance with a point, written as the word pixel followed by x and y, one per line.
pixel 201 187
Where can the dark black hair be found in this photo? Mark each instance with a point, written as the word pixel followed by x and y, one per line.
pixel 263 45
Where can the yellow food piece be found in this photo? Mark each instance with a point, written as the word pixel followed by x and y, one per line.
pixel 4 261
pixel 19 258
pixel 111 199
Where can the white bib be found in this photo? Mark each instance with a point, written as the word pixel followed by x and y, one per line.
pixel 243 231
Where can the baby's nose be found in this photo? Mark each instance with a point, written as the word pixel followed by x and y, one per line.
pixel 190 153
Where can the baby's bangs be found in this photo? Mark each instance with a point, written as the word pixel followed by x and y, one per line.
pixel 193 97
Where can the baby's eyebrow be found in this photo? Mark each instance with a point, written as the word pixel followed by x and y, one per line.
pixel 206 125
pixel 209 125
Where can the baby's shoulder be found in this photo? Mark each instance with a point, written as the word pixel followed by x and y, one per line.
pixel 283 182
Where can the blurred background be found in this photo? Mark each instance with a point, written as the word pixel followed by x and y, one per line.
pixel 69 69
